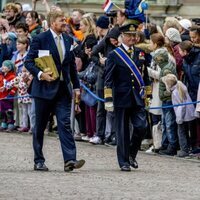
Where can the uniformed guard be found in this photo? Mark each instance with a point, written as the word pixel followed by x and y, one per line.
pixel 125 81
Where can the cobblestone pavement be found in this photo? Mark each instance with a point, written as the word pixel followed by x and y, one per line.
pixel 158 178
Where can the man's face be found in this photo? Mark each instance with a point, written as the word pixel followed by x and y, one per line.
pixel 129 39
pixel 76 17
pixel 114 42
pixel 9 13
pixel 21 33
pixel 120 18
pixel 59 24
pixel 195 38
pixel 99 31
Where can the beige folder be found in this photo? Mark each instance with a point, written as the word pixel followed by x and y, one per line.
pixel 47 64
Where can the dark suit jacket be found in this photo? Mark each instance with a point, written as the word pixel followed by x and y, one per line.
pixel 44 89
pixel 119 77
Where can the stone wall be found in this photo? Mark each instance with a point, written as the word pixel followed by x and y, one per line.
pixel 158 8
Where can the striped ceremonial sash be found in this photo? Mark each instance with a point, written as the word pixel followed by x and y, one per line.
pixel 133 68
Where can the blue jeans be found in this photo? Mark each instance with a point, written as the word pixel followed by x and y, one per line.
pixel 169 127
pixel 182 136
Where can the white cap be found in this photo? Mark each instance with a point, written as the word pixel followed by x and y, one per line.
pixel 26 7
pixel 185 23
pixel 173 35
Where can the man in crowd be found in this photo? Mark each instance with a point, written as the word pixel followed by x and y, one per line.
pixel 124 93
pixel 52 94
pixel 73 23
pixel 21 30
pixel 195 34
pixel 12 15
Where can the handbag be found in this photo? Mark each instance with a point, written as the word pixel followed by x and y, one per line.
pixel 88 99
pixel 89 75
pixel 157 135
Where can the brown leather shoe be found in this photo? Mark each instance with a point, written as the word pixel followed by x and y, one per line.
pixel 71 165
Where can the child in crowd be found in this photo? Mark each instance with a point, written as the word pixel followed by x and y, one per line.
pixel 22 82
pixel 18 59
pixel 191 68
pixel 20 55
pixel 6 105
pixel 169 127
pixel 184 113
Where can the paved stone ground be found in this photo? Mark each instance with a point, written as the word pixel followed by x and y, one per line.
pixel 158 178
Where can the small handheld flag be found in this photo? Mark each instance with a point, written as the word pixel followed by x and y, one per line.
pixel 142 6
pixel 107 6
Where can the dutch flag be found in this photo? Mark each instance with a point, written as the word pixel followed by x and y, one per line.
pixel 107 6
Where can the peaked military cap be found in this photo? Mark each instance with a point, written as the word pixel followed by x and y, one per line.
pixel 128 28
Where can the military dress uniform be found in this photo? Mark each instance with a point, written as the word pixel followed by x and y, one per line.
pixel 122 89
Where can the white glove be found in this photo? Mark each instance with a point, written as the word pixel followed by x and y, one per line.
pixel 109 106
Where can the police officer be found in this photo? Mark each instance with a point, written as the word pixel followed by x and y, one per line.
pixel 124 92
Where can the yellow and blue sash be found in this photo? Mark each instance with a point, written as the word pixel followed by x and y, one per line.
pixel 133 68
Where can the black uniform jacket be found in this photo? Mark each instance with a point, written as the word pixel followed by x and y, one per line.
pixel 120 78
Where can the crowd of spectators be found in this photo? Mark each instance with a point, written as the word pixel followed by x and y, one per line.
pixel 172 55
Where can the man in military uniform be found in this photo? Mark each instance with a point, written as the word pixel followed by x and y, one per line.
pixel 125 81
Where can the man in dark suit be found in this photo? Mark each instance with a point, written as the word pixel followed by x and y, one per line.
pixel 54 95
pixel 125 80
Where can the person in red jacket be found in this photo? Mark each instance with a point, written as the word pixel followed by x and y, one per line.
pixel 6 104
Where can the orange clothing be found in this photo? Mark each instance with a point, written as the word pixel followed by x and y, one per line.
pixel 77 33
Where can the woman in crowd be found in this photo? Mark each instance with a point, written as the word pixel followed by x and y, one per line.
pixel 88 28
pixel 157 41
pixel 32 19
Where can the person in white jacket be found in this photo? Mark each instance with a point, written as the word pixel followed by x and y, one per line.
pixel 184 113
pixel 157 41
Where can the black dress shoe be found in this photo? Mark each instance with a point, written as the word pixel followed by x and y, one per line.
pixel 133 162
pixel 40 167
pixel 125 168
pixel 71 165
pixel 168 152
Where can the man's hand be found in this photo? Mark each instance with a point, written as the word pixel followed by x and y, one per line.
pixel 109 106
pixel 4 37
pixel 47 76
pixel 102 59
pixel 77 96
pixel 88 51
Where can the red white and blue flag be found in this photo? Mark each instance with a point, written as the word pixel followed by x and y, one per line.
pixel 107 6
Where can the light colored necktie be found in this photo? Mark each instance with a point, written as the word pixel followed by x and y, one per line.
pixel 60 51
